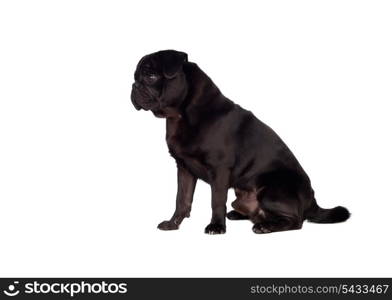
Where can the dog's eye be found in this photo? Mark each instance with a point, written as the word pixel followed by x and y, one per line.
pixel 152 77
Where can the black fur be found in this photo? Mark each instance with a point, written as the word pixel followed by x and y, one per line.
pixel 213 139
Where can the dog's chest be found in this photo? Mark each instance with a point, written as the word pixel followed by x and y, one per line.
pixel 182 144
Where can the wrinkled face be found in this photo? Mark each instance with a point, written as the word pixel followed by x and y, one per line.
pixel 160 82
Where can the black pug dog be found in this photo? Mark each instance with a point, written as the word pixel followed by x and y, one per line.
pixel 213 139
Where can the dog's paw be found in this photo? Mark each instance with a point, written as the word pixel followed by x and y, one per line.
pixel 168 225
pixel 214 228
pixel 234 215
pixel 259 228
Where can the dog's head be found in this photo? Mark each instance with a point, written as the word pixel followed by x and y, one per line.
pixel 160 82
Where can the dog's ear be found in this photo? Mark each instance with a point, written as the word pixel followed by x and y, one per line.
pixel 172 62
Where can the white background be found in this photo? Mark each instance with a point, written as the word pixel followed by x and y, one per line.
pixel 85 178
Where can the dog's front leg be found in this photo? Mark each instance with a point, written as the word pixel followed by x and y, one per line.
pixel 219 188
pixel 186 183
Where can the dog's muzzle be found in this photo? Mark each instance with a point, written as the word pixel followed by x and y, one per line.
pixel 142 99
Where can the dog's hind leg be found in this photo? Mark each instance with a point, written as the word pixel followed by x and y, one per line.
pixel 280 207
pixel 244 206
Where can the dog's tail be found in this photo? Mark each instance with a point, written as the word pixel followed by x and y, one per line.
pixel 316 214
